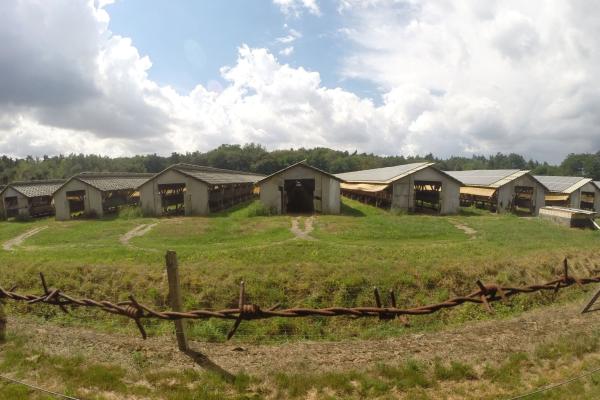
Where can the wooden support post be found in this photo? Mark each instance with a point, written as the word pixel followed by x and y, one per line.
pixel 175 299
pixel 2 323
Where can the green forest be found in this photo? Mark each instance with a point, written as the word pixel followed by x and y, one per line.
pixel 256 158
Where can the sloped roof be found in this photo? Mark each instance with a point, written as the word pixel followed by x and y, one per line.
pixel 213 176
pixel 109 181
pixel 485 177
pixel 388 174
pixel 597 183
pixel 562 184
pixel 300 163
pixel 35 188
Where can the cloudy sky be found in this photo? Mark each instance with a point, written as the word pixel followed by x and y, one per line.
pixel 451 77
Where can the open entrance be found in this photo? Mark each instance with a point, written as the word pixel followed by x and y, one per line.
pixel 172 197
pixel 427 195
pixel 113 200
pixel 11 205
pixel 298 195
pixel 41 206
pixel 587 201
pixel 523 200
pixel 76 199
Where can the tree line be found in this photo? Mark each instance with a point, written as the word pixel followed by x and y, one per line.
pixel 256 158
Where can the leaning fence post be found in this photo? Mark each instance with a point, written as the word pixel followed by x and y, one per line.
pixel 175 299
pixel 2 323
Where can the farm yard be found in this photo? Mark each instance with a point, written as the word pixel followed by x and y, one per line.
pixel 318 261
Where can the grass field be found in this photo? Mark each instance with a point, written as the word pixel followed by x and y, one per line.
pixel 423 258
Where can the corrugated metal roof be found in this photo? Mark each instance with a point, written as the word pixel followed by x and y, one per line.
pixel 109 181
pixel 383 175
pixel 214 176
pixel 597 183
pixel 484 177
pixel 562 184
pixel 35 188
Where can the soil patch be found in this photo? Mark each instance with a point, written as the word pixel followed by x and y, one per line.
pixel 9 245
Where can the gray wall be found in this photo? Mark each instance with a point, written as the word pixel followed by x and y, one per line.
pixel 404 191
pixel 92 203
pixel 195 198
pixel 22 201
pixel 506 193
pixel 327 188
pixel 575 198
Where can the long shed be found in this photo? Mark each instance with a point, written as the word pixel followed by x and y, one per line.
pixel 411 187
pixel 571 191
pixel 501 190
pixel 94 194
pixel 301 188
pixel 186 189
pixel 28 198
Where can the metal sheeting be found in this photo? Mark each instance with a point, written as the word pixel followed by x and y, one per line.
pixel 36 188
pixel 486 177
pixel 107 182
pixel 380 175
pixel 477 191
pixel 219 177
pixel 364 187
pixel 562 184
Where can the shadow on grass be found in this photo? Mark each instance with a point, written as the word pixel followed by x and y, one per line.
pixel 206 363
pixel 347 210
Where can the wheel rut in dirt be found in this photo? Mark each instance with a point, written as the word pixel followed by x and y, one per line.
pixel 9 245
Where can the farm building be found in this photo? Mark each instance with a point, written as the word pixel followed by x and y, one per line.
pixel 570 217
pixel 301 188
pixel 417 186
pixel 94 194
pixel 184 189
pixel 501 190
pixel 571 191
pixel 29 199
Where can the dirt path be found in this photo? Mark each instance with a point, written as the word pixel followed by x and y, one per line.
pixel 308 228
pixel 138 231
pixel 477 342
pixel 17 241
pixel 465 228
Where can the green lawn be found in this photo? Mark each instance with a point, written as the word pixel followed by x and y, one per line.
pixel 424 258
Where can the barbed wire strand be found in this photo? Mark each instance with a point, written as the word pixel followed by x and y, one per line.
pixel 555 385
pixel 485 295
pixel 37 388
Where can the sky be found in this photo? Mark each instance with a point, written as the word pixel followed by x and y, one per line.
pixel 448 77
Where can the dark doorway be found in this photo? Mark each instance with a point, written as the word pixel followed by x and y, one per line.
pixel 172 197
pixel 299 195
pixel 587 201
pixel 523 202
pixel 427 195
pixel 11 205
pixel 76 199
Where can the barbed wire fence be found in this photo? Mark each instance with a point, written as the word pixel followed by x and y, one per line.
pixel 486 294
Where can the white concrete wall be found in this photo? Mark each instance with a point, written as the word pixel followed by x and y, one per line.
pixel 326 196
pixel 22 201
pixel 404 191
pixel 195 199
pixel 506 194
pixel 92 202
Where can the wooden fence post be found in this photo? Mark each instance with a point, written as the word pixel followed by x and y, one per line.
pixel 175 299
pixel 2 323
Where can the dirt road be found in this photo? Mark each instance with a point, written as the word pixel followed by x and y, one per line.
pixel 9 245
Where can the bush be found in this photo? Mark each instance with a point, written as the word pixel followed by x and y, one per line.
pixel 257 209
pixel 130 212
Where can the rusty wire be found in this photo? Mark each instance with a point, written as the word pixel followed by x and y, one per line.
pixel 485 295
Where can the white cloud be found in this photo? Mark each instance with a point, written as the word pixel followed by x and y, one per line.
pixel 456 77
pixel 287 51
pixel 491 76
pixel 295 8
